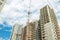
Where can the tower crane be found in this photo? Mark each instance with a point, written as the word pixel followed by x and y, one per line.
pixel 28 24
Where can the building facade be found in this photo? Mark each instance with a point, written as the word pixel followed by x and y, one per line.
pixel 58 30
pixel 48 24
pixel 38 31
pixel 30 33
pixel 33 30
pixel 16 32
pixel 2 3
pixel 46 28
pixel 23 33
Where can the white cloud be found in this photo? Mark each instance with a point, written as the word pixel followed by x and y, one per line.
pixel 8 30
pixel 0 28
pixel 16 10
pixel 58 22
pixel 4 39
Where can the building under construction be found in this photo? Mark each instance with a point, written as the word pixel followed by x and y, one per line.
pixel 48 24
pixel 31 32
pixel 46 28
pixel 16 32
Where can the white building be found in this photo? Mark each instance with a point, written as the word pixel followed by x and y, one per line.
pixel 48 23
pixel 16 32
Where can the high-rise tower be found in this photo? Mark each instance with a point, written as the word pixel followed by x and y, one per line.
pixel 23 33
pixel 16 32
pixel 32 31
pixel 2 3
pixel 48 24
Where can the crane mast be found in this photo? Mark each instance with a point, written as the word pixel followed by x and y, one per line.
pixel 29 12
pixel 28 24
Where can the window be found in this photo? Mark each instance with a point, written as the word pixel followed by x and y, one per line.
pixel 43 37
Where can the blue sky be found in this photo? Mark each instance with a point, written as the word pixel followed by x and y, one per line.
pixel 15 11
